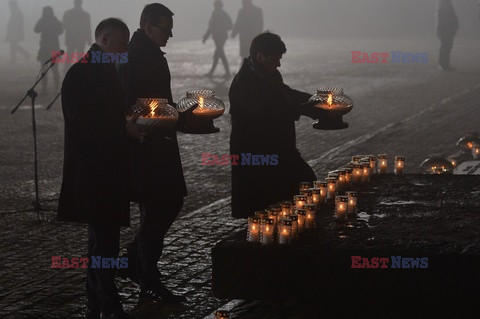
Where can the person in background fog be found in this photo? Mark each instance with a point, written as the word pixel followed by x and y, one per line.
pixel 249 24
pixel 50 29
pixel 447 27
pixel 218 27
pixel 15 32
pixel 78 32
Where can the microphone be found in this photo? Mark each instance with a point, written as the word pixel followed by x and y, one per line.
pixel 54 57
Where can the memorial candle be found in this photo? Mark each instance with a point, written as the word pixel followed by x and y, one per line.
pixel 365 171
pixel 300 200
pixel 253 229
pixel 294 219
pixel 399 165
pixel 382 163
pixel 348 175
pixel 352 201
pixel 284 231
pixel 373 161
pixel 308 193
pixel 273 213
pixel 476 151
pixel 341 204
pixel 285 208
pixel 331 187
pixel 316 196
pixel 267 231
pixel 310 215
pixel 301 213
pixel 357 173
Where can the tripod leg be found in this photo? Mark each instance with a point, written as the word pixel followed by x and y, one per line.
pixel 36 204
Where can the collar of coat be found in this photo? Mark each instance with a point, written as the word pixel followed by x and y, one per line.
pixel 257 68
pixel 141 41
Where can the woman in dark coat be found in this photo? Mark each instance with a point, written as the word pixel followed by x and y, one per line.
pixel 263 112
pixel 50 29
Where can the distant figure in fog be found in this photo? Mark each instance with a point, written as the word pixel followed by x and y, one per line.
pixel 78 31
pixel 50 29
pixel 447 27
pixel 249 24
pixel 15 32
pixel 220 23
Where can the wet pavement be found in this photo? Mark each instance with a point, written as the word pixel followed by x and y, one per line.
pixel 411 110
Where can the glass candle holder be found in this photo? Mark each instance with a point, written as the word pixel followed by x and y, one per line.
pixel 357 173
pixel 323 192
pixel 308 193
pixel 261 214
pixel 315 196
pixel 285 208
pixel 309 215
pixel 294 219
pixel 352 201
pixel 341 204
pixel 284 231
pixel 476 151
pixel 274 213
pixel 304 186
pixel 253 234
pixel 365 171
pixel 222 314
pixel 348 175
pixel 382 163
pixel 399 165
pixel 331 187
pixel 268 226
pixel 300 200
pixel 302 214
pixel 341 178
pixel 373 162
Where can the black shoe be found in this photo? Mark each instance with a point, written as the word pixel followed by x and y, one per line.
pixel 92 313
pixel 159 291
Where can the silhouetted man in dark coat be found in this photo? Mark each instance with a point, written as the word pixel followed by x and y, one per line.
pixel 95 187
pixel 15 32
pixel 157 172
pixel 249 24
pixel 263 114
pixel 447 27
pixel 219 25
pixel 78 30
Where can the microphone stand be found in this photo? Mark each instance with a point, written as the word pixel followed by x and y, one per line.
pixel 33 95
pixel 53 101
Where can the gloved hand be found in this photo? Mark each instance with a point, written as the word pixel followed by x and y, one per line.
pixel 190 120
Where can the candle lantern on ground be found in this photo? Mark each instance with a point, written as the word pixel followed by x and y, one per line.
pixel 274 213
pixel 261 214
pixel 304 186
pixel 352 201
pixel 341 204
pixel 373 161
pixel 309 216
pixel 308 193
pixel 437 165
pixel 253 234
pixel 399 165
pixel 284 231
pixel 357 173
pixel 268 226
pixel 222 314
pixel 302 214
pixel 209 108
pixel 342 181
pixel 286 208
pixel 323 191
pixel 365 171
pixel 300 200
pixel 382 163
pixel 336 104
pixel 316 196
pixel 476 151
pixel 348 175
pixel 468 142
pixel 331 187
pixel 294 219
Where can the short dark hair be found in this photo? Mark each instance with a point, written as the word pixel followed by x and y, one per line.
pixel 267 43
pixel 153 12
pixel 111 23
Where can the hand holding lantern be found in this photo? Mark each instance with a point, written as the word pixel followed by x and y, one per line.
pixel 332 105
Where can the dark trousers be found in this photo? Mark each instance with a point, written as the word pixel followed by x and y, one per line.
pixel 156 217
pixel 220 54
pixel 104 241
pixel 446 45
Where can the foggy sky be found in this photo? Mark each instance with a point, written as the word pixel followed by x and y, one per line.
pixel 295 18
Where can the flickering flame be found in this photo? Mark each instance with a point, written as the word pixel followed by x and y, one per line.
pixel 351 202
pixel 454 163
pixel 330 100
pixel 268 228
pixel 253 227
pixel 284 230
pixel 331 186
pixel 153 106
pixel 201 102
pixel 341 206
pixel 383 163
pixel 469 144
pixel 399 164
pixel 477 151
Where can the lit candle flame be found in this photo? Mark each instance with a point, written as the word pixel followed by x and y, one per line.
pixel 153 106
pixel 200 102
pixel 330 100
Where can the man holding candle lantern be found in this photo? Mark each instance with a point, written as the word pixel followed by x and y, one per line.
pixel 95 183
pixel 157 174
pixel 263 113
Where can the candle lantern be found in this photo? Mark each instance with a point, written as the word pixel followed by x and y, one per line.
pixel 352 201
pixel 284 231
pixel 261 214
pixel 304 186
pixel 316 184
pixel 338 184
pixel 316 196
pixel 357 173
pixel 323 191
pixel 286 208
pixel 468 142
pixel 399 165
pixel 341 204
pixel 331 187
pixel 373 161
pixel 222 314
pixel 253 234
pixel 437 165
pixel 294 219
pixel 357 158
pixel 302 214
pixel 209 108
pixel 300 200
pixel 348 175
pixel 365 171
pixel 308 193
pixel 274 213
pixel 342 181
pixel 382 163
pixel 476 151
pixel 336 103
pixel 309 216
pixel 268 225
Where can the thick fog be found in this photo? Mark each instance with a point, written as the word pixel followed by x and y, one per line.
pixel 296 18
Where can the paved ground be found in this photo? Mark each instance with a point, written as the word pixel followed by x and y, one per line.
pixel 412 110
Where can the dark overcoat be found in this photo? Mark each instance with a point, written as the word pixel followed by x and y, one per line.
pixel 95 169
pixel 447 20
pixel 156 165
pixel 263 113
